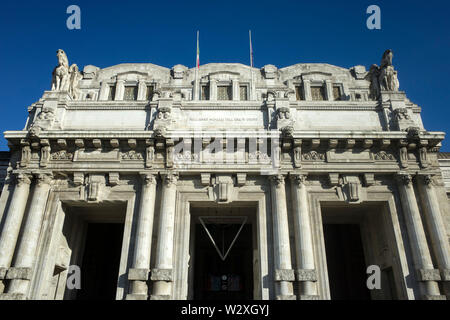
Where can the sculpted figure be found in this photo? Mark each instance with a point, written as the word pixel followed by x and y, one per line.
pixel 388 76
pixel 374 74
pixel 75 77
pixel 60 76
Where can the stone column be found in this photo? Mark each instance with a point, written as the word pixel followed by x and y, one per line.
pixel 13 222
pixel 436 227
pixel 426 274
pixel 142 90
pixel 138 274
pixel 306 272
pixel 104 91
pixel 213 90
pixel 235 90
pixel 120 90
pixel 329 86
pixel 307 90
pixel 162 274
pixel 284 275
pixel 26 254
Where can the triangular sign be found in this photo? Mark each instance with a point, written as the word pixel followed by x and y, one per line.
pixel 222 253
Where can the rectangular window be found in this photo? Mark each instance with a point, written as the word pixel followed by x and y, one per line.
pixel 130 93
pixel 112 93
pixel 243 92
pixel 318 93
pixel 337 93
pixel 150 91
pixel 205 93
pixel 299 93
pixel 224 93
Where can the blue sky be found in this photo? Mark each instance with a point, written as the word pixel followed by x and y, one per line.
pixel 283 32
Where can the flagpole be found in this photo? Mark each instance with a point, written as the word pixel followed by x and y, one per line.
pixel 252 86
pixel 197 90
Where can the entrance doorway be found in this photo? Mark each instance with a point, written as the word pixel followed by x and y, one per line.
pixel 356 237
pixel 223 249
pixel 345 262
pixel 101 260
pixel 91 239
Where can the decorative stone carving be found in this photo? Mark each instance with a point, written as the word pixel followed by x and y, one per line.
pixel 428 275
pixel 384 156
pixel 423 157
pixel 60 80
pixel 149 153
pixel 284 275
pixel 65 78
pixel 278 180
pixel 205 179
pixel 132 155
pixel 351 188
pixel 149 179
pixel 114 178
pixel 333 179
pixel 26 153
pixel 23 178
pixel 313 156
pixel 258 156
pixel 78 178
pixel 297 153
pixel 178 71
pixel 404 178
pixel 270 71
pixel 171 179
pixel 306 275
pixel 403 151
pixel 161 275
pixel 388 76
pixel 45 153
pixel 44 178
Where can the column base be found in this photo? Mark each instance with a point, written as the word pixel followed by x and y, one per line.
pixel 308 297
pixel 159 297
pixel 132 296
pixel 12 296
pixel 289 297
pixel 434 297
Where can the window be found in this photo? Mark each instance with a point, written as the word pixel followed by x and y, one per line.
pixel 205 93
pixel 150 92
pixel 337 93
pixel 130 93
pixel 112 93
pixel 299 93
pixel 243 92
pixel 224 93
pixel 318 93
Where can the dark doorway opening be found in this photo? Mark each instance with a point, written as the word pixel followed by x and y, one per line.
pixel 215 279
pixel 345 262
pixel 101 260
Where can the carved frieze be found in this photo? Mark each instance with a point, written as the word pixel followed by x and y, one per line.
pixel 384 156
pixel 132 155
pixel 313 156
pixel 62 155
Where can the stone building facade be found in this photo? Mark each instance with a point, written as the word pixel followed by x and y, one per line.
pixel 225 182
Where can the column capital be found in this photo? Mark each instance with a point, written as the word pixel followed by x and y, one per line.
pixel 426 179
pixel 404 178
pixel 148 179
pixel 43 178
pixel 171 179
pixel 23 178
pixel 278 180
pixel 299 179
